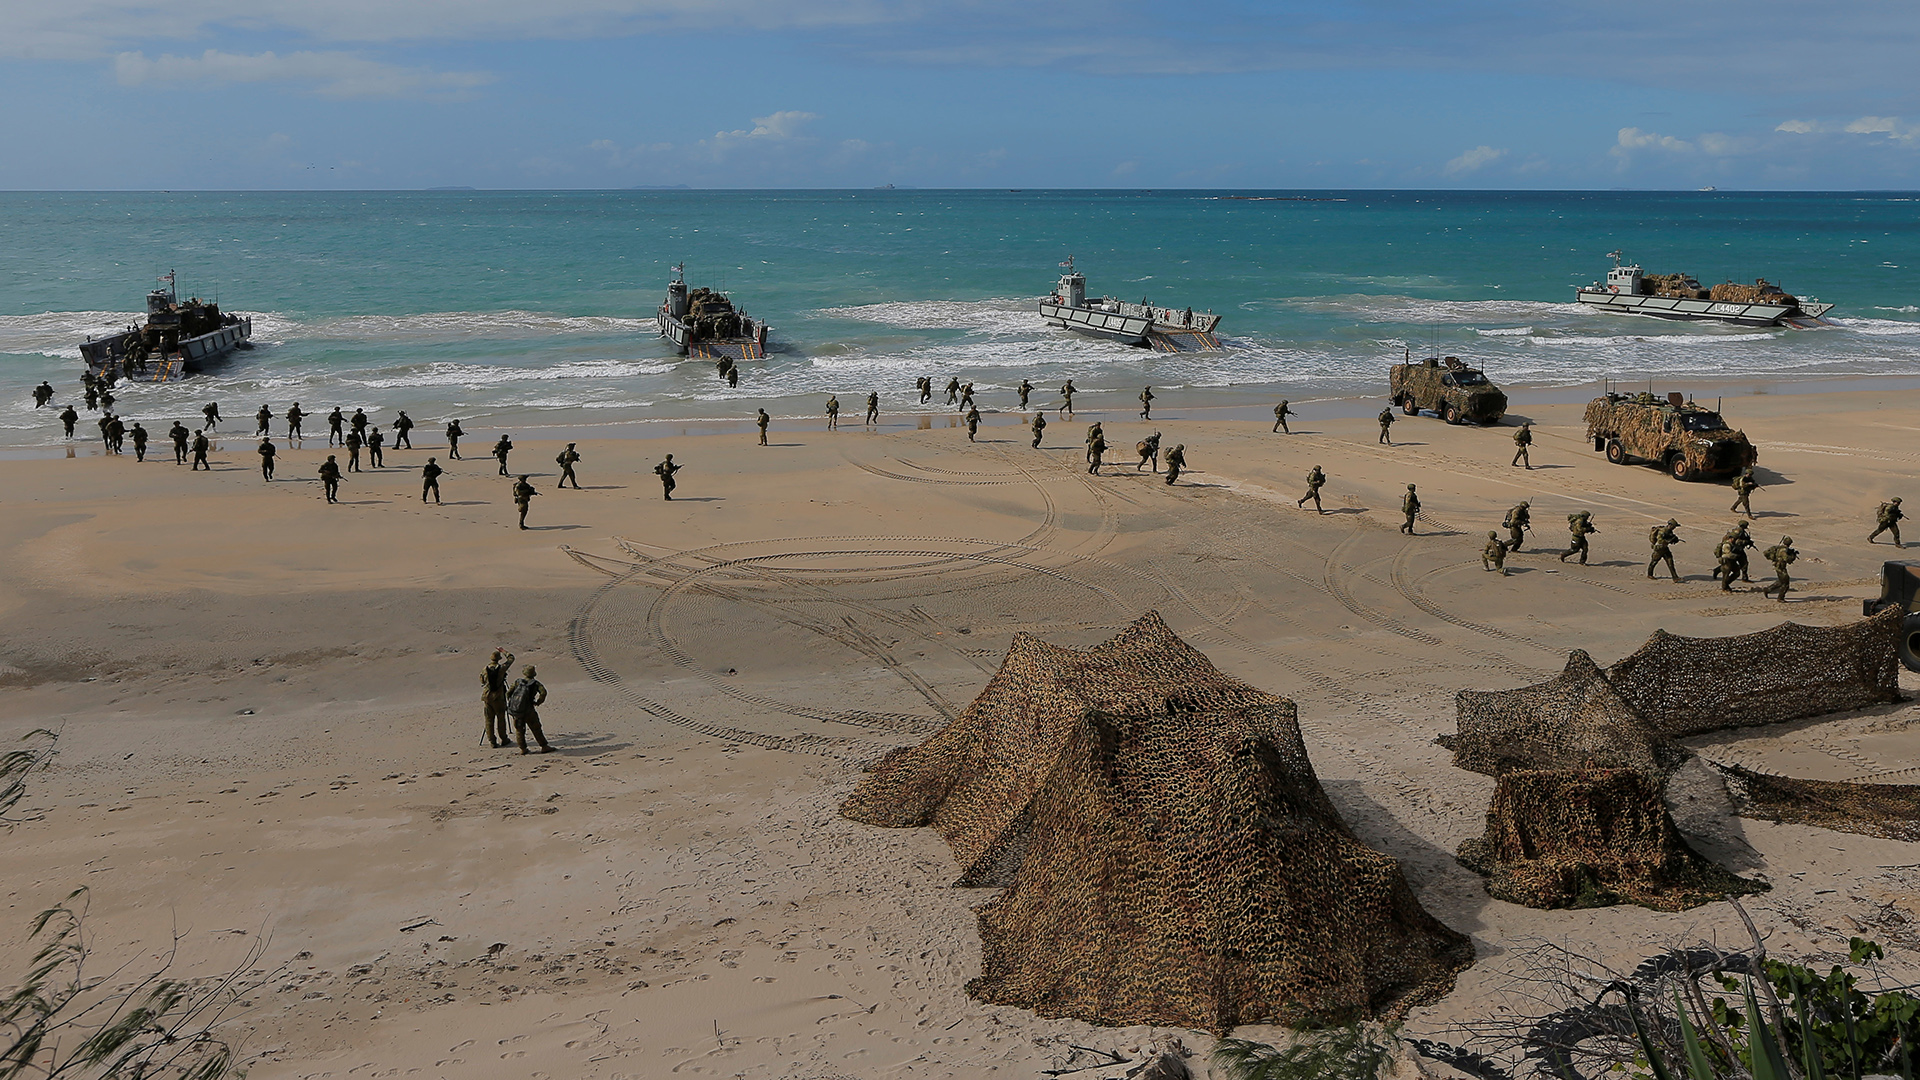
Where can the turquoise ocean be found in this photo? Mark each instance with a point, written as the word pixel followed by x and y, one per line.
pixel 534 310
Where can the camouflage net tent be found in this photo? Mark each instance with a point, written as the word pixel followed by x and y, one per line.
pixel 1560 838
pixel 1688 686
pixel 1574 720
pixel 973 779
pixel 1888 810
pixel 1185 867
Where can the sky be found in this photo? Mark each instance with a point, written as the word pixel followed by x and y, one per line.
pixel 394 94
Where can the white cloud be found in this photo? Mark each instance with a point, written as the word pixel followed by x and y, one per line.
pixel 1893 127
pixel 1797 127
pixel 1632 139
pixel 1473 160
pixel 328 74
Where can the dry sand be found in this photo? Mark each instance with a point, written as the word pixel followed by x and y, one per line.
pixel 270 728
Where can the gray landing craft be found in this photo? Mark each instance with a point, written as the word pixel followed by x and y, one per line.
pixel 174 341
pixel 1677 296
pixel 1164 329
pixel 704 324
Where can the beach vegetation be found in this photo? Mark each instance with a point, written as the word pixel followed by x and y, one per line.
pixel 16 765
pixel 1356 1050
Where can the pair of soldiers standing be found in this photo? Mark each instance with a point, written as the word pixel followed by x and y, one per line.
pixel 519 702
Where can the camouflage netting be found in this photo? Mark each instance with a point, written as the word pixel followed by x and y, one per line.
pixel 1679 286
pixel 1185 868
pixel 1889 810
pixel 1760 292
pixel 1687 686
pixel 1574 720
pixel 1578 838
pixel 973 779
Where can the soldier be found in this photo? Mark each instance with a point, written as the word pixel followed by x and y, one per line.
pixel 1026 388
pixel 1781 555
pixel 1662 538
pixel 523 701
pixel 106 436
pixel 353 451
pixel 925 385
pixel 1494 555
pixel 92 397
pixel 1096 450
pixel 733 377
pixel 763 420
pixel 953 391
pixel 566 459
pixel 1146 403
pixel 263 418
pixel 211 411
pixel 1410 506
pixel 266 451
pixel 430 480
pixel 493 698
pixel 334 422
pixel 1176 460
pixel 1066 400
pixel 1094 431
pixel 1522 440
pixel 178 434
pixel 68 418
pixel 1386 425
pixel 1316 479
pixel 116 434
pixel 873 408
pixel 966 397
pixel 665 471
pixel 1739 540
pixel 1039 425
pixel 375 455
pixel 42 394
pixel 1518 521
pixel 1280 414
pixel 293 418
pixel 106 399
pixel 1726 563
pixel 973 423
pixel 833 413
pixel 139 442
pixel 1579 527
pixel 523 494
pixel 403 431
pixel 1889 516
pixel 500 451
pixel 200 453
pixel 1744 486
pixel 454 434
pixel 358 422
pixel 330 479
pixel 1149 450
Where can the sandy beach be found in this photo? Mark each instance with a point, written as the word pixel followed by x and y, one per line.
pixel 269 726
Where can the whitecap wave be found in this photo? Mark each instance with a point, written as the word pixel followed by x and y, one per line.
pixel 999 316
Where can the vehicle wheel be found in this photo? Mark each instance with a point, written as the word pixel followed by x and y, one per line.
pixel 1409 406
pixel 1909 643
pixel 1452 414
pixel 1679 469
pixel 1615 452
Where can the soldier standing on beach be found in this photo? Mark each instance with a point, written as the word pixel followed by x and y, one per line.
pixel 1146 403
pixel 263 418
pixel 1409 506
pixel 873 409
pixel 665 471
pixel 833 413
pixel 1744 486
pixel 334 422
pixel 353 451
pixel 973 423
pixel 178 434
pixel 1096 450
pixel 429 480
pixel 493 698
pixel 500 451
pixel 1579 527
pixel 403 431
pixel 293 418
pixel 1026 388
pixel 358 422
pixel 1280 414
pixel 523 701
pixel 1781 555
pixel 1386 425
pixel 523 494
pixel 266 451
pixel 1888 517
pixel 1494 555
pixel 1316 480
pixel 1176 460
pixel 1522 441
pixel 763 420
pixel 200 453
pixel 1039 426
pixel 565 460
pixel 375 441
pixel 1066 400
pixel 1519 520
pixel 330 479
pixel 139 442
pixel 454 434
pixel 212 412
pixel 1662 538
pixel 68 418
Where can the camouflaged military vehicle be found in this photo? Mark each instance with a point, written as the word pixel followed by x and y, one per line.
pixel 1691 442
pixel 1448 389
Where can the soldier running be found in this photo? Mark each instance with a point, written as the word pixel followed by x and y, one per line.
pixel 1149 451
pixel 1738 541
pixel 454 434
pixel 1280 414
pixel 924 384
pixel 873 408
pixel 493 698
pixel 523 494
pixel 1146 403
pixel 1744 486
pixel 665 471
pixel 1494 555
pixel 1176 460
pixel 1662 538
pixel 1781 555
pixel 1409 506
pixel 1066 400
pixel 1889 516
pixel 966 397
pixel 763 420
pixel 1026 388
pixel 1522 440
pixel 1518 521
pixel 1315 481
pixel 263 418
pixel 1386 425
pixel 953 391
pixel 833 413
pixel 200 453
pixel 330 479
pixel 403 431
pixel 42 394
pixel 1726 563
pixel 1096 451
pixel 566 459
pixel 68 418
pixel 1094 431
pixel 358 422
pixel 211 411
pixel 1039 426
pixel 523 701
pixel 973 423
pixel 293 418
pixel 266 451
pixel 139 441
pixel 1579 527
pixel 500 451
pixel 429 480
pixel 178 434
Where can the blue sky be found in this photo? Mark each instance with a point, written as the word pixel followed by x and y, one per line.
pixel 971 93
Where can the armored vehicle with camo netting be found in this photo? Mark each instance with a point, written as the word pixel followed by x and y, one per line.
pixel 1447 388
pixel 704 324
pixel 1689 441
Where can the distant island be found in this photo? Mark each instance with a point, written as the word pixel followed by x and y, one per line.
pixel 453 187
pixel 659 187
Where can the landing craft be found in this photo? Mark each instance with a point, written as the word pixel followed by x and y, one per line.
pixel 1163 329
pixel 1678 296
pixel 704 324
pixel 174 341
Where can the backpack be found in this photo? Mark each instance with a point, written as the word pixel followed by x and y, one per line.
pixel 562 459
pixel 520 698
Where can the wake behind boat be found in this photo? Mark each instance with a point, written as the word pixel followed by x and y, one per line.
pixel 1630 291
pixel 1163 329
pixel 175 340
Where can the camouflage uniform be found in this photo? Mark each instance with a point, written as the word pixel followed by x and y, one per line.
pixel 665 471
pixel 1780 555
pixel 500 451
pixel 1410 506
pixel 1519 520
pixel 1039 425
pixel 1889 520
pixel 1066 399
pixel 763 420
pixel 523 494
pixel 873 409
pixel 1738 541
pixel 1386 425
pixel 1494 555
pixel 493 698
pixel 973 423
pixel 1096 449
pixel 330 479
pixel 1315 481
pixel 1146 403
pixel 1662 538
pixel 953 391
pixel 430 481
pixel 1280 414
pixel 1579 527
pixel 1149 450
pixel 1523 439
pixel 566 459
pixel 833 413
pixel 1726 563
pixel 1744 486
pixel 1026 388
pixel 1176 460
